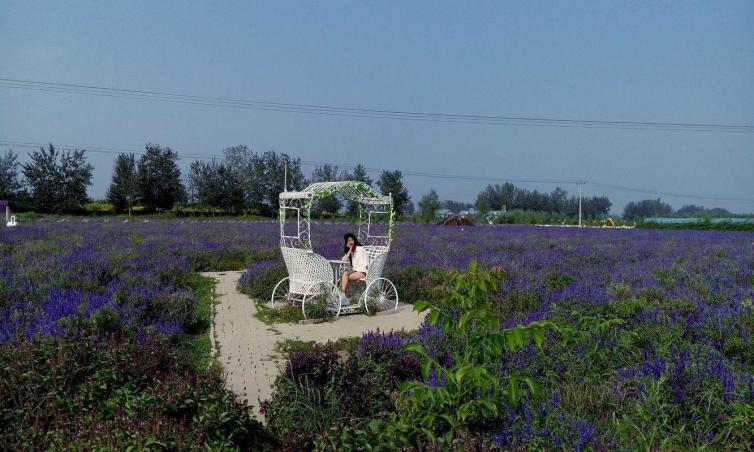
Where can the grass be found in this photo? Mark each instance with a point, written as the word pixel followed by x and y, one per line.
pixel 346 344
pixel 287 314
pixel 198 345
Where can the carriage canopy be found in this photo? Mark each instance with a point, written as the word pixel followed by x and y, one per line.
pixel 374 209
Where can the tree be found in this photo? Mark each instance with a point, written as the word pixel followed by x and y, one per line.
pixel 391 182
pixel 159 178
pixel 596 206
pixel 331 204
pixel 215 185
pixel 429 204
pixel 646 208
pixel 360 175
pixel 58 180
pixel 693 210
pixel 273 167
pixel 496 196
pixel 122 191
pixel 9 181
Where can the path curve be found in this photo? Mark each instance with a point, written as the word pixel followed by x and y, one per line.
pixel 245 345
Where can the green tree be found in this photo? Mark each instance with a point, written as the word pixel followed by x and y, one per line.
pixel 9 181
pixel 391 182
pixel 429 204
pixel 360 175
pixel 332 204
pixel 646 208
pixel 215 185
pixel 58 180
pixel 122 191
pixel 262 176
pixel 273 169
pixel 159 178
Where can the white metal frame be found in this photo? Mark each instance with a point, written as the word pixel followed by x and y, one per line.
pixel 311 277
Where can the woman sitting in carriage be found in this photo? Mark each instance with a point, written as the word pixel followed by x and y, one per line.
pixel 356 255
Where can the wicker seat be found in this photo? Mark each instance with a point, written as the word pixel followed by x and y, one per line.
pixel 305 268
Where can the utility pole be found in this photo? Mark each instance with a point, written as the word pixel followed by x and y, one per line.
pixel 580 183
pixel 285 176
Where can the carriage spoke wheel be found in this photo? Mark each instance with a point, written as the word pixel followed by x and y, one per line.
pixel 380 295
pixel 320 301
pixel 281 294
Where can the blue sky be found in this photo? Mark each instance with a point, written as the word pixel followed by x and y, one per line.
pixel 632 61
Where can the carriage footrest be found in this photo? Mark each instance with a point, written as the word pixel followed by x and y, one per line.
pixel 351 309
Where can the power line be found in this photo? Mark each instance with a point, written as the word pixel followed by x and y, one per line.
pixel 321 110
pixel 314 163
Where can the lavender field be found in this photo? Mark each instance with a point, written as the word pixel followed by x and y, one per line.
pixel 655 346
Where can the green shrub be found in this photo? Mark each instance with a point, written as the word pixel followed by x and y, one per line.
pixel 416 282
pixel 80 394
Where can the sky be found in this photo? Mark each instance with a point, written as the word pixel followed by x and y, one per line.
pixel 681 62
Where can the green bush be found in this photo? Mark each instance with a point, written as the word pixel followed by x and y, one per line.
pixel 416 282
pixel 81 394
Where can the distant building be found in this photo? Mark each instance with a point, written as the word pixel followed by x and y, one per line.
pixel 442 213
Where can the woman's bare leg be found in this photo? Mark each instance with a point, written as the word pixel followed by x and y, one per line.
pixel 347 277
pixel 344 281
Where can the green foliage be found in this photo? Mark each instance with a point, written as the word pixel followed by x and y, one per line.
pixel 469 391
pixel 261 287
pixel 216 185
pixel 329 205
pixel 528 203
pixel 359 175
pixel 80 394
pixel 646 208
pixel 318 390
pixel 9 181
pixel 416 282
pixel 58 180
pixel 391 182
pixel 159 178
pixel 123 190
pixel 429 204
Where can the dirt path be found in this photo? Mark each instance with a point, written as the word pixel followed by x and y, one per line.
pixel 245 346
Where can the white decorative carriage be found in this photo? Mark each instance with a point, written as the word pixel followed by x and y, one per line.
pixel 312 279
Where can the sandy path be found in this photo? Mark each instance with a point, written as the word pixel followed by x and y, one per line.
pixel 245 346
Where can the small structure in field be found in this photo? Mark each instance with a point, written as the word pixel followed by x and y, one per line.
pixel 457 220
pixel 10 220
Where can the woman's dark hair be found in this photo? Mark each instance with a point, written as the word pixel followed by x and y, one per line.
pixel 345 244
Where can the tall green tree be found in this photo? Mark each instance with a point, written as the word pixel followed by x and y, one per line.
pixel 159 178
pixel 391 182
pixel 215 185
pixel 274 168
pixel 58 180
pixel 332 204
pixel 10 184
pixel 123 187
pixel 429 204
pixel 646 208
pixel 262 176
pixel 360 175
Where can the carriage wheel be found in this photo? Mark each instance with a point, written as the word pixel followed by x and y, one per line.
pixel 320 301
pixel 281 294
pixel 380 295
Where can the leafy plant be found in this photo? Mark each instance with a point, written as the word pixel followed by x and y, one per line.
pixel 454 398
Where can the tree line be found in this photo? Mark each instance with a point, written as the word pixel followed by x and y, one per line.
pixel 244 180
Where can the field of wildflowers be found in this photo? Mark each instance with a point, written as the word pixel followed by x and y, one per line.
pixel 654 345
